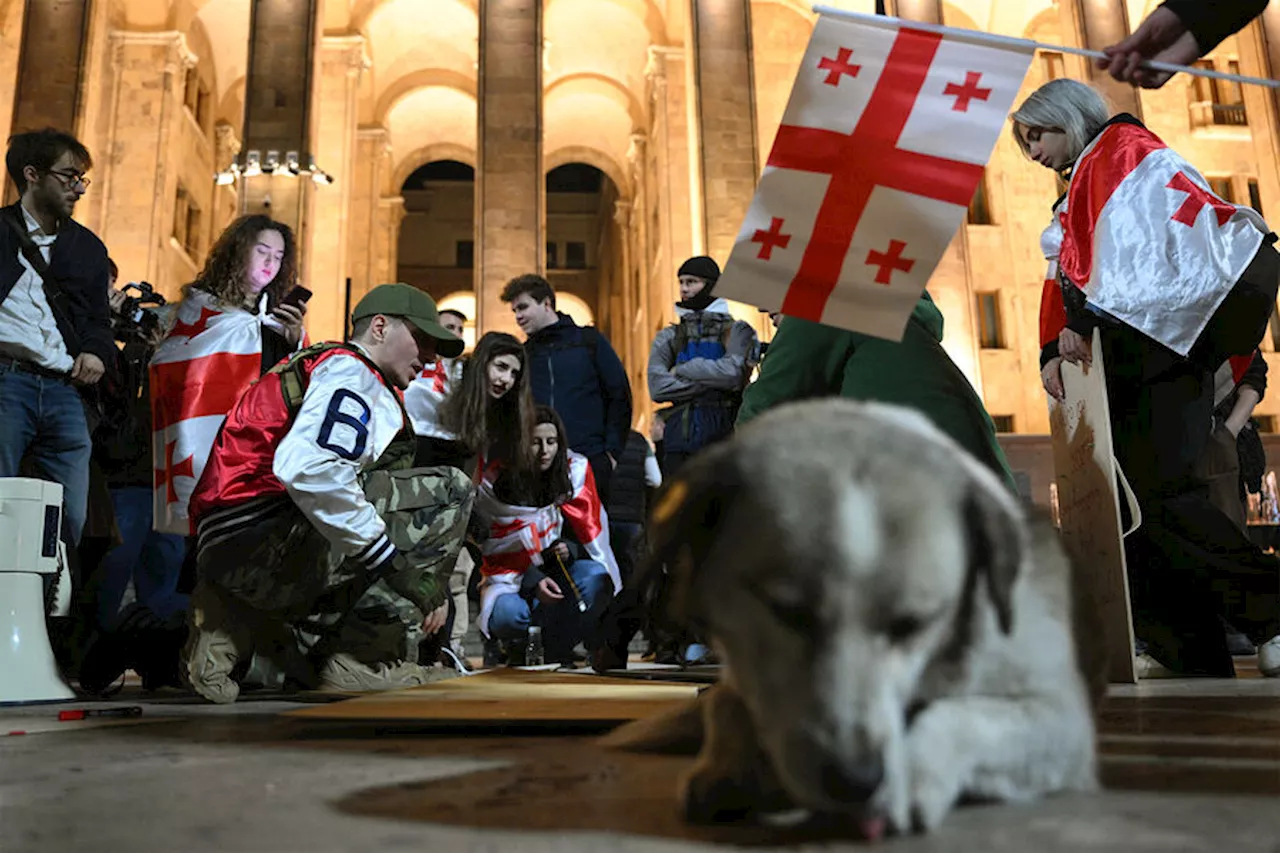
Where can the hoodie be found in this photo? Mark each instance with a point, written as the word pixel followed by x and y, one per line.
pixel 808 360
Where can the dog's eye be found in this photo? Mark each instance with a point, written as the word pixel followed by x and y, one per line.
pixel 903 628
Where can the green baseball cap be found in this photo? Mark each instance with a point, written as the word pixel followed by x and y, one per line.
pixel 404 300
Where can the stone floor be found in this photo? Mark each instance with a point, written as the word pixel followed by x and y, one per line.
pixel 1189 765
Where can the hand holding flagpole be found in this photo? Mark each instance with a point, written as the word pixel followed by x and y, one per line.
pixel 1125 60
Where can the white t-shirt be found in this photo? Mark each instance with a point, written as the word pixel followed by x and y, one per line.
pixel 28 330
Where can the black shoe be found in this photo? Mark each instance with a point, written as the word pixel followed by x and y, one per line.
pixel 103 665
pixel 606 658
pixel 493 653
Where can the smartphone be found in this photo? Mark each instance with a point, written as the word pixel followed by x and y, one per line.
pixel 296 297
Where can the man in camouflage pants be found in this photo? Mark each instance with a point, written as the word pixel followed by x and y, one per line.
pixel 319 550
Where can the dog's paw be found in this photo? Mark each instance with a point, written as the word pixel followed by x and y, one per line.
pixel 934 781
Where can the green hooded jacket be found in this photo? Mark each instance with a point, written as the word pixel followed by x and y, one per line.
pixel 808 360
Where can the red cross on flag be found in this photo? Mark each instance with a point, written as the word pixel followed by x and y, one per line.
pixel 198 372
pixel 881 148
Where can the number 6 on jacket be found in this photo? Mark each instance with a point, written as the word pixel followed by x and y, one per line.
pixel 356 420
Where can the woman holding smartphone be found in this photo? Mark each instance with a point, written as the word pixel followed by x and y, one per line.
pixel 241 316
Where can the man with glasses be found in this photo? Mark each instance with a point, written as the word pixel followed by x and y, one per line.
pixel 55 332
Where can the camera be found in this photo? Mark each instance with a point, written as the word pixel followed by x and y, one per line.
pixel 133 321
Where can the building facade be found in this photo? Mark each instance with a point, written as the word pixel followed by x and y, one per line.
pixel 452 144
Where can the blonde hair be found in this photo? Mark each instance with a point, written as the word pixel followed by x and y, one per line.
pixel 1066 105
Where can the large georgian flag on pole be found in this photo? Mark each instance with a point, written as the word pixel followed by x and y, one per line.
pixel 198 372
pixel 881 148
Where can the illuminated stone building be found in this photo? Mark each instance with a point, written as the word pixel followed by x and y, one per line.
pixel 456 143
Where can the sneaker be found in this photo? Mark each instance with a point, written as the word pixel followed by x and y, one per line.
pixel 343 672
pixel 219 639
pixel 1237 643
pixel 1148 667
pixel 1269 658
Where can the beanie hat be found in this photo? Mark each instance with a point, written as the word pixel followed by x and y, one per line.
pixel 702 267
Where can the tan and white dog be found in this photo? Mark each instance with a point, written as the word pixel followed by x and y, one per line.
pixel 897 634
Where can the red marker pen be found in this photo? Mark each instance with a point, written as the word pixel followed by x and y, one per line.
pixel 85 713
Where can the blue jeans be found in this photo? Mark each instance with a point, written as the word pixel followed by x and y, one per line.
pixel 152 560
pixel 45 416
pixel 563 626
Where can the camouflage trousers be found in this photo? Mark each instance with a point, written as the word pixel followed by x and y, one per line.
pixel 306 601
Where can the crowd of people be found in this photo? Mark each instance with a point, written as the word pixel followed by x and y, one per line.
pixel 253 509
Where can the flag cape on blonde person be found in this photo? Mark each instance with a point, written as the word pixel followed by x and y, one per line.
pixel 519 534
pixel 881 148
pixel 198 372
pixel 1147 240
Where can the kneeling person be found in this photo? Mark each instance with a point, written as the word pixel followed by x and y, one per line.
pixel 319 547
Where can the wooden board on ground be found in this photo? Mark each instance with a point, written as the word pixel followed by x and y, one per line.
pixel 1089 503
pixel 512 697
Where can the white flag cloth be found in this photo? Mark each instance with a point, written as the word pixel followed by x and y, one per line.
pixel 211 355
pixel 1147 240
pixel 426 394
pixel 880 150
pixel 519 534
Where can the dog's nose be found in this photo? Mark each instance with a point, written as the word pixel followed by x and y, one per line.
pixel 853 781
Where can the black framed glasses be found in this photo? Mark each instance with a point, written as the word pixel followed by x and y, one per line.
pixel 70 179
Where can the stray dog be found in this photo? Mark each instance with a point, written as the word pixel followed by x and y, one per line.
pixel 896 634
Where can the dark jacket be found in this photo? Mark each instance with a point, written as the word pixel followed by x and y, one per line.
pixel 78 261
pixel 627 491
pixel 1210 23
pixel 575 371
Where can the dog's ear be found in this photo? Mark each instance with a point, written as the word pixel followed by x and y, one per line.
pixel 996 547
pixel 684 524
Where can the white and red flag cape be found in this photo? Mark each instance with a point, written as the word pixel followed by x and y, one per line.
pixel 210 356
pixel 519 534
pixel 1146 239
pixel 880 150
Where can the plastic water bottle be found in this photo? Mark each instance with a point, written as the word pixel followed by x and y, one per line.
pixel 533 655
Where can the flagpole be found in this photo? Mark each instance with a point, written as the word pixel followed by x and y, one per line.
pixel 1028 45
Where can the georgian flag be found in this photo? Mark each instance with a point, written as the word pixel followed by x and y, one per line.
pixel 209 357
pixel 880 150
pixel 426 394
pixel 519 534
pixel 1147 240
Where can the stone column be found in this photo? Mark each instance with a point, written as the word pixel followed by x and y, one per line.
pixel 139 186
pixel 1103 23
pixel 386 238
pixel 363 239
pixel 1270 27
pixel 673 189
pixel 226 202
pixel 341 61
pixel 50 77
pixel 924 11
pixel 724 90
pixel 50 66
pixel 510 182
pixel 278 126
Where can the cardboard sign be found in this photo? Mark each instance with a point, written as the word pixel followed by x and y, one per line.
pixel 1089 503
